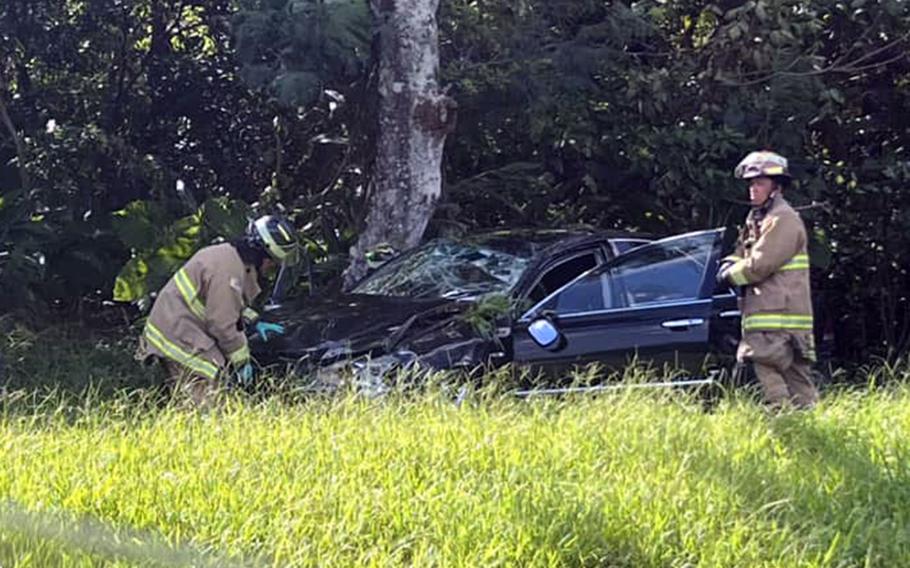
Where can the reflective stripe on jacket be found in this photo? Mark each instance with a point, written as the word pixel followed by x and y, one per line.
pixel 196 318
pixel 772 264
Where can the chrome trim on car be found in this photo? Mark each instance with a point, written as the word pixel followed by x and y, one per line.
pixel 691 301
pixel 683 324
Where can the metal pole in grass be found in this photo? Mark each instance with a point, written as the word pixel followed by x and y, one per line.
pixel 709 381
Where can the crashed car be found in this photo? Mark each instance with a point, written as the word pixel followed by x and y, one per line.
pixel 544 301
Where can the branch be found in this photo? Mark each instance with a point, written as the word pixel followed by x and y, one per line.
pixel 17 141
pixel 881 49
pixel 837 67
pixel 335 178
pixel 784 69
pixel 871 66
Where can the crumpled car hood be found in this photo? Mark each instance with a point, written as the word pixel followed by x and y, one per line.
pixel 320 331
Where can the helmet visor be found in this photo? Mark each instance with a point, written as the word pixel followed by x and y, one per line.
pixel 748 171
pixel 292 255
pixel 285 252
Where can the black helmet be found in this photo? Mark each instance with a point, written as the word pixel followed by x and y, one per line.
pixel 275 236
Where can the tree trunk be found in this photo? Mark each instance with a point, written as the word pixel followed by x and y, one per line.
pixel 414 119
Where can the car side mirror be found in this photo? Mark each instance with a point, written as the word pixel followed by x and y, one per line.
pixel 545 334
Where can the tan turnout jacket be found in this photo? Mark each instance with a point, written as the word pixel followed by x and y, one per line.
pixel 772 264
pixel 196 318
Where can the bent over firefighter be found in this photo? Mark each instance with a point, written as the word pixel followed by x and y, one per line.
pixel 197 324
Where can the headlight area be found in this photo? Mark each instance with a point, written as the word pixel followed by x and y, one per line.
pixel 370 376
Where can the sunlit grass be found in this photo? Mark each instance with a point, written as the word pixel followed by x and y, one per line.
pixel 635 479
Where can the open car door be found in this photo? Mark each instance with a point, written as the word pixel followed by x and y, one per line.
pixel 654 303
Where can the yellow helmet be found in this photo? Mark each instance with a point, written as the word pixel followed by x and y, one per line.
pixel 764 163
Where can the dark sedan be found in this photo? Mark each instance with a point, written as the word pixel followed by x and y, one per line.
pixel 501 298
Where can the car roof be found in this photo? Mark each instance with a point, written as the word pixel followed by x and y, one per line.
pixel 557 234
pixel 549 241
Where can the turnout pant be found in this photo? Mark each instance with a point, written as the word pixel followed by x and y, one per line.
pixel 783 365
pixel 183 384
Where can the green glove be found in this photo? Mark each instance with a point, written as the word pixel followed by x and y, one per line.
pixel 244 375
pixel 264 328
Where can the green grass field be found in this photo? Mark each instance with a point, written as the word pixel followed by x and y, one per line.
pixel 633 479
pixel 621 481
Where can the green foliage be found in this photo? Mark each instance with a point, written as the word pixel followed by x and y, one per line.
pixel 298 48
pixel 139 224
pixel 21 237
pixel 49 263
pixel 114 103
pixel 160 246
pixel 573 112
pixel 486 313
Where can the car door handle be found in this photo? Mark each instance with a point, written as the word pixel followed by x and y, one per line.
pixel 731 314
pixel 682 324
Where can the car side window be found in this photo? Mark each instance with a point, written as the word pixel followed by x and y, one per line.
pixel 663 272
pixel 558 276
pixel 623 246
pixel 594 292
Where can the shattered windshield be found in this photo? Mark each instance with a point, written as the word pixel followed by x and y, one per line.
pixel 451 269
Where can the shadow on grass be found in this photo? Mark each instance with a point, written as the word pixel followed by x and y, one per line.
pixel 842 489
pixel 56 539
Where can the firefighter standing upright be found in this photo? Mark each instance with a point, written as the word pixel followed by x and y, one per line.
pixel 771 264
pixel 196 326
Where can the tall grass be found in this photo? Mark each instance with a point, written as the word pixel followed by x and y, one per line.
pixel 637 479
pixel 107 475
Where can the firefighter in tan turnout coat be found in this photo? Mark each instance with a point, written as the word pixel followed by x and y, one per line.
pixel 771 264
pixel 196 326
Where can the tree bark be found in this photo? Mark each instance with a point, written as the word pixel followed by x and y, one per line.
pixel 415 117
